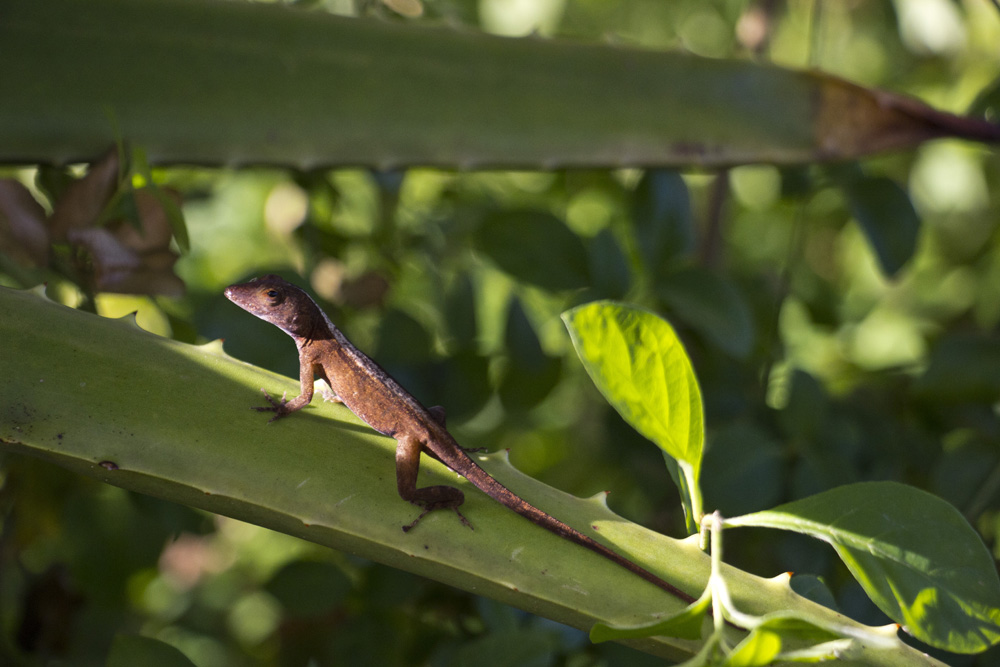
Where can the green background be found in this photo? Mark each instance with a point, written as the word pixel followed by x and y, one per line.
pixel 842 322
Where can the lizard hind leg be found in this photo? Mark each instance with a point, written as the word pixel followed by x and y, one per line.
pixel 440 415
pixel 429 498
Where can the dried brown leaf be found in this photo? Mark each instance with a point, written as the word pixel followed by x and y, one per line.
pixel 23 235
pixel 84 199
pixel 129 260
pixel 853 121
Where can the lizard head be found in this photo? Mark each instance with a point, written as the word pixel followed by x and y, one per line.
pixel 281 303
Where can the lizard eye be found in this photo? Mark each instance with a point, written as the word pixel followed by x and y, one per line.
pixel 273 293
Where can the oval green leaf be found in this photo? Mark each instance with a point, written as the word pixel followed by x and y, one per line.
pixel 535 247
pixel 530 374
pixel 638 363
pixel 662 219
pixel 888 219
pixel 129 650
pixel 712 306
pixel 610 274
pixel 915 555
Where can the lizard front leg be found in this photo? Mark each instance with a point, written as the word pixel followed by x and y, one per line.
pixel 429 498
pixel 285 407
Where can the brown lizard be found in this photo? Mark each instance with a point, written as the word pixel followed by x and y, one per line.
pixel 374 396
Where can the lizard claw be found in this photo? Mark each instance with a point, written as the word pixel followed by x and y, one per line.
pixel 465 522
pixel 410 526
pixel 277 407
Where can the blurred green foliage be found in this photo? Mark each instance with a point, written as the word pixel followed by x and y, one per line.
pixel 844 324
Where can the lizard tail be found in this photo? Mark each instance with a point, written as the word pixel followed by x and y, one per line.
pixel 509 499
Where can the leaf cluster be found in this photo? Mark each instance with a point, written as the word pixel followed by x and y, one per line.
pixel 841 322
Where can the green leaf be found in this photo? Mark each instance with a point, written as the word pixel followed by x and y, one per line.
pixel 684 625
pixel 520 338
pixel 914 554
pixel 535 247
pixel 131 650
pixel 987 103
pixel 760 648
pixel 53 181
pixel 173 213
pixel 529 646
pixel 747 467
pixel 710 305
pixel 662 219
pixel 69 397
pixel 460 313
pixel 770 640
pixel 688 499
pixel 814 588
pixel 963 367
pixel 309 588
pixel 802 637
pixel 797 627
pixel 887 217
pixel 825 652
pixel 609 270
pixel 638 363
pixel 530 374
pixel 460 382
pixel 262 75
pixel 402 339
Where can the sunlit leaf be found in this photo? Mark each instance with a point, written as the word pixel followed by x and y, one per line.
pixel 796 637
pixel 760 648
pixel 914 554
pixel 638 363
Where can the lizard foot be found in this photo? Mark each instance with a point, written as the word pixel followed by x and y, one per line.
pixel 410 526
pixel 277 407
